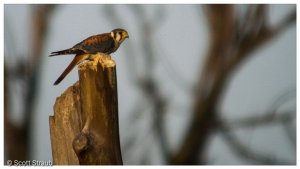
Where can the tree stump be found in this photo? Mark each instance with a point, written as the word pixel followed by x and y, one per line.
pixel 85 128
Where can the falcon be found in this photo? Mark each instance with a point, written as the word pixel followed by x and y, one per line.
pixel 106 43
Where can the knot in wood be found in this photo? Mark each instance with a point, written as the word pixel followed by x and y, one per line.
pixel 81 143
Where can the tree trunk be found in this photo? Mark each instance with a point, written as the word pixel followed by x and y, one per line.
pixel 84 128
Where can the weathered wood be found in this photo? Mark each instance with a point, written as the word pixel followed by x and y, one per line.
pixel 64 126
pixel 85 129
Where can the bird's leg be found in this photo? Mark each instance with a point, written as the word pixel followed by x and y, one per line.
pixel 84 58
pixel 97 59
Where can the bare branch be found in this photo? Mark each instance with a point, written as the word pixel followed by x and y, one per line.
pixel 147 84
pixel 246 153
pixel 228 48
pixel 266 119
pixel 253 39
pixel 285 22
pixel 290 132
pixel 27 71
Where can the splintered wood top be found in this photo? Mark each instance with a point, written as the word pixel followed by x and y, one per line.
pixel 105 60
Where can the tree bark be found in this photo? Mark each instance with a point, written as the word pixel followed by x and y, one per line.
pixel 85 128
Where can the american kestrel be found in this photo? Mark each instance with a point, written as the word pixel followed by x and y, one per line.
pixel 106 43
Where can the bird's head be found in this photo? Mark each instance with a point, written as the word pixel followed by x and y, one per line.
pixel 119 35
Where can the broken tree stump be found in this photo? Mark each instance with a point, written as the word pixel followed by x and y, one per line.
pixel 85 128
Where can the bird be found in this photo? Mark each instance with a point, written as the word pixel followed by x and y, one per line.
pixel 105 43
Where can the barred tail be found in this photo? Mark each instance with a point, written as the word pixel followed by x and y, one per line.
pixel 63 52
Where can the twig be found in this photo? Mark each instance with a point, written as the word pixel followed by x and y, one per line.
pixel 266 119
pixel 148 84
pixel 248 154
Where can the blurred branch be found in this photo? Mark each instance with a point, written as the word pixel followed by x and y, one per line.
pixel 172 71
pixel 28 72
pixel 272 117
pixel 229 46
pixel 41 18
pixel 285 97
pixel 245 152
pixel 40 23
pixel 255 19
pixel 233 39
pixel 136 112
pixel 146 40
pixel 255 39
pixel 290 132
pixel 147 84
pixel 285 22
pixel 266 119
pixel 159 105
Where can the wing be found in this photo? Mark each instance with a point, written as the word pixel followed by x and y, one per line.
pixel 103 43
pixel 66 52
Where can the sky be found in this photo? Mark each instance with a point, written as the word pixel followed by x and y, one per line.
pixel 252 90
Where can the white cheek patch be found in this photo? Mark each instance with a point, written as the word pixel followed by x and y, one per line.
pixel 112 34
pixel 118 37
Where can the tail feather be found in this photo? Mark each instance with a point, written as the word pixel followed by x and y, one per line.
pixel 77 59
pixel 62 52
